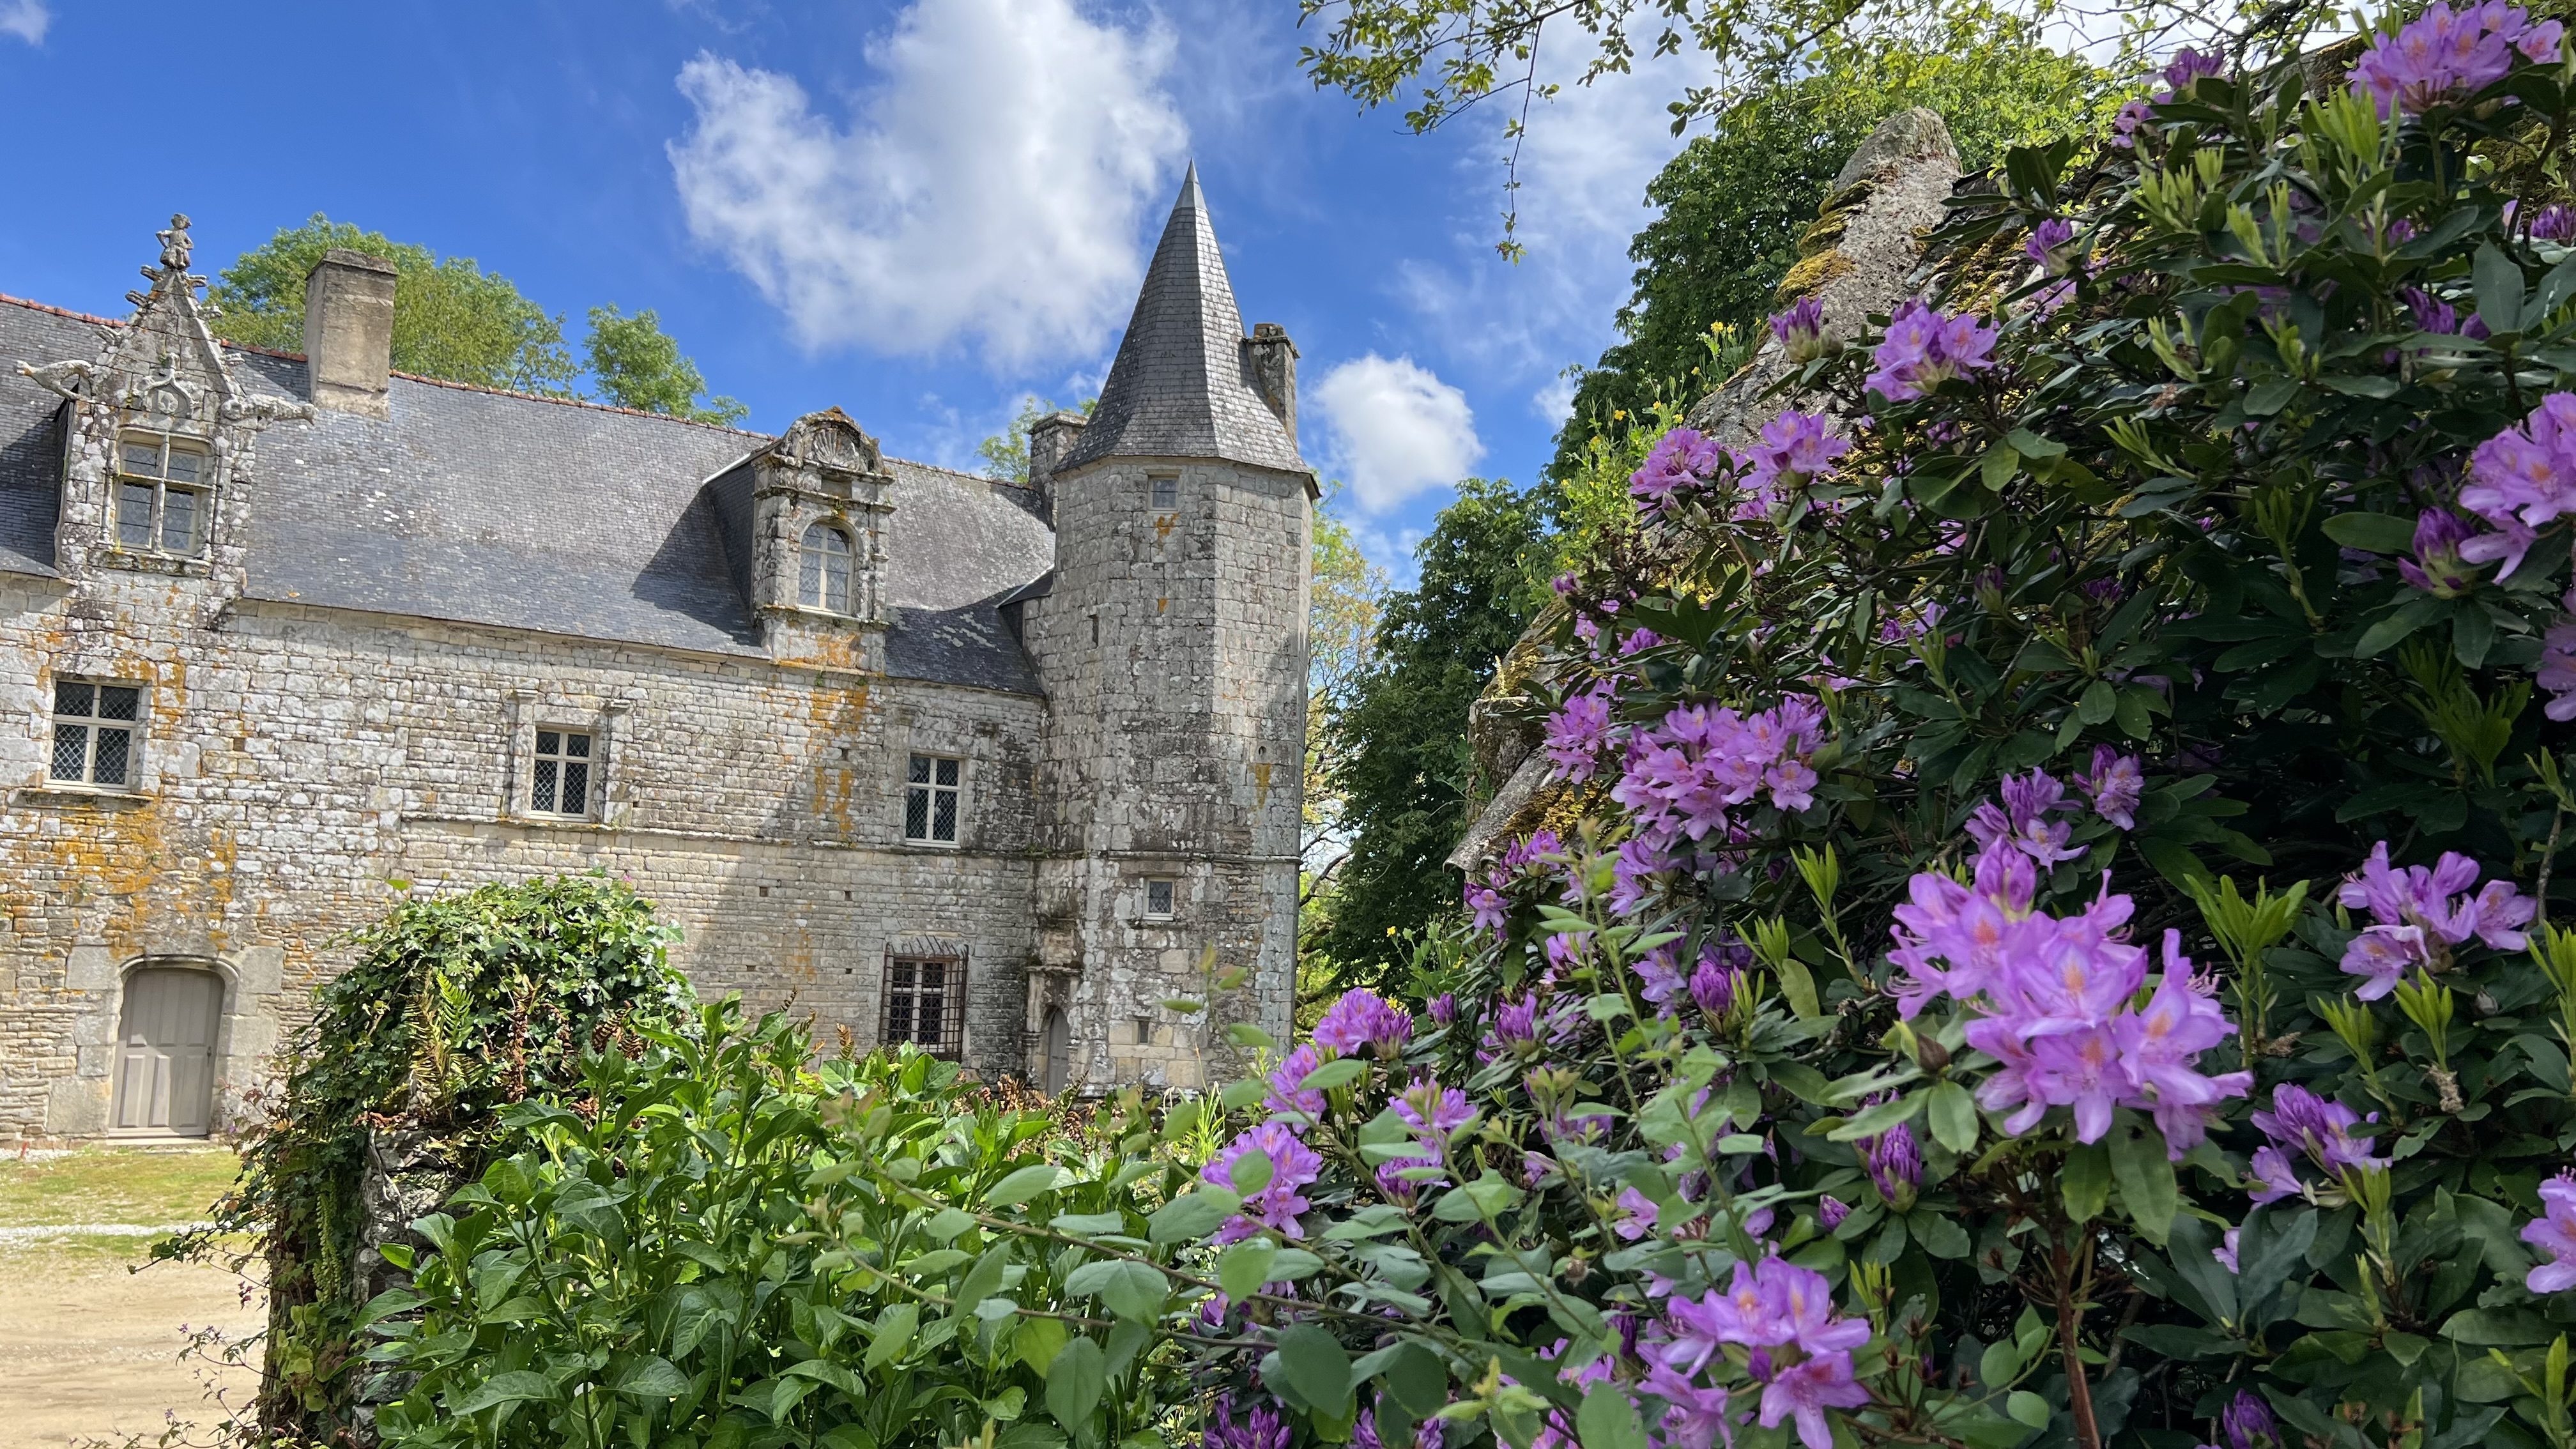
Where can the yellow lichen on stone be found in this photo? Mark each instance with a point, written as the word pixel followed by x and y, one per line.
pixel 1812 274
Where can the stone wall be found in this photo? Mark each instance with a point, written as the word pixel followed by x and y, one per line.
pixel 298 763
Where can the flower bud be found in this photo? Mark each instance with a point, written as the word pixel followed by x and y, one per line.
pixel 1801 331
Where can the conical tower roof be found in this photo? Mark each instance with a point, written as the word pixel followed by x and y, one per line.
pixel 1182 386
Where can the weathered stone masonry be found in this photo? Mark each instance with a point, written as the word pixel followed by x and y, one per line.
pixel 342 685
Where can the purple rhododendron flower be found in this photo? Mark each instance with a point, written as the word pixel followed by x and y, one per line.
pixel 1895 1164
pixel 1263 1428
pixel 1659 976
pixel 2115 784
pixel 2225 1252
pixel 2054 1002
pixel 2303 1124
pixel 2555 222
pixel 1924 348
pixel 2025 819
pixel 1830 1212
pixel 1434 1111
pixel 1485 911
pixel 2554 1233
pixel 1683 462
pixel 1362 1018
pixel 1697 1417
pixel 2438 567
pixel 2448 53
pixel 1426 1435
pixel 2248 1422
pixel 1717 987
pixel 1801 330
pixel 2522 480
pixel 2414 908
pixel 1577 731
pixel 2048 246
pixel 1443 1008
pixel 1686 773
pixel 2188 65
pixel 2557 669
pixel 1285 1095
pixel 1292 1165
pixel 1805 1390
pixel 1636 1215
pixel 1795 449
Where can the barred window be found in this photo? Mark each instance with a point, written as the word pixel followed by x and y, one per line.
pixel 561 782
pixel 1159 895
pixel 930 800
pixel 925 1002
pixel 94 727
pixel 823 578
pixel 160 498
pixel 1167 494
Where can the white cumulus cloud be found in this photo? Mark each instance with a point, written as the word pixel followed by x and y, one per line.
pixel 988 190
pixel 25 19
pixel 1396 429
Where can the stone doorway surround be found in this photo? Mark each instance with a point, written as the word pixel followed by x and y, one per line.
pixel 94 981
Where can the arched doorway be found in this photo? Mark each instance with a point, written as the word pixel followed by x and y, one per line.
pixel 1056 1063
pixel 165 1051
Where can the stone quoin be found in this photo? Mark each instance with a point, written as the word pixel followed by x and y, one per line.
pixel 1001 768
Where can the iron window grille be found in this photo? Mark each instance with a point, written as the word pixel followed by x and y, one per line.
pixel 94 727
pixel 160 496
pixel 823 570
pixel 560 784
pixel 930 799
pixel 925 1003
pixel 1159 896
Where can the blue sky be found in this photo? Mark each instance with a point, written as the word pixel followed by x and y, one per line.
pixel 921 210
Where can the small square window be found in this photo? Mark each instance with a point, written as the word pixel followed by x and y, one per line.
pixel 932 784
pixel 1158 897
pixel 1167 494
pixel 560 784
pixel 94 728
pixel 1144 1031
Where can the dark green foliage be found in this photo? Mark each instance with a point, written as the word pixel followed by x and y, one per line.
pixel 1730 209
pixel 456 1005
pixel 1401 760
pixel 452 319
pixel 639 366
pixel 729 1246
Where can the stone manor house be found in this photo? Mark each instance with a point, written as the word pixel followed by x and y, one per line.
pixel 985 766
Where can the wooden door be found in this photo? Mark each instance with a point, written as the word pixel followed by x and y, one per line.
pixel 165 1068
pixel 1058 1049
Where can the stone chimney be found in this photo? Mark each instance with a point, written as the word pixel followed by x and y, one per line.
pixel 349 332
pixel 1050 439
pixel 1274 368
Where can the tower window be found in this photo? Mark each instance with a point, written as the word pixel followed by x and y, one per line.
pixel 1144 1030
pixel 1167 494
pixel 823 570
pixel 560 784
pixel 1159 895
pixel 94 727
pixel 930 792
pixel 160 495
pixel 925 1001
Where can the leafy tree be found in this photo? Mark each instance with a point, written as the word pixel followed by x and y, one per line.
pixel 639 366
pixel 1731 208
pixel 452 319
pixel 1006 453
pixel 1399 761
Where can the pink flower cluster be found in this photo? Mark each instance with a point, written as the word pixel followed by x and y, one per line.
pixel 1579 729
pixel 1800 1348
pixel 2418 913
pixel 1684 775
pixel 1278 1204
pixel 2521 481
pixel 2557 669
pixel 2054 998
pixel 2188 65
pixel 2449 53
pixel 1361 1020
pixel 1796 449
pixel 2554 1232
pixel 1924 348
pixel 2035 816
pixel 2317 1128
pixel 1684 463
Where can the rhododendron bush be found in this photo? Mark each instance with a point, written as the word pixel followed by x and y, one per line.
pixel 2049 928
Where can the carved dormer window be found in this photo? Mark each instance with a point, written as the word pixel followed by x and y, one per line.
pixel 161 494
pixel 823 570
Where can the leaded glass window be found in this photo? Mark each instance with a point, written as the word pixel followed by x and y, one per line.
pixel 94 727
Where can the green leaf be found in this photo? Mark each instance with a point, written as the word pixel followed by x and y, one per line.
pixel 1608 1420
pixel 2498 280
pixel 1191 1215
pixel 824 1371
pixel 1239 1095
pixel 1245 1034
pixel 2000 1364
pixel 652 1377
pixel 2269 397
pixel 1339 1072
pixel 2100 700
pixel 1952 1114
pixel 2146 1178
pixel 2372 532
pixel 1252 1172
pixel 1998 466
pixel 1315 1366
pixel 1135 1291
pixel 893 1334
pixel 1245 1267
pixel 1879 1118
pixel 1026 1183
pixel 2414 614
pixel 518 1386
pixel 985 1278
pixel 1418 1379
pixel 1038 1342
pixel 1799 988
pixel 1939 1233
pixel 2027 1408
pixel 1074 1382
pixel 2086 1182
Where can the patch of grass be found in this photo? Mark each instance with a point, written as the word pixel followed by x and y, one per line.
pixel 103 1185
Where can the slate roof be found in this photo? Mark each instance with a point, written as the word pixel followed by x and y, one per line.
pixel 1182 385
pixel 487 507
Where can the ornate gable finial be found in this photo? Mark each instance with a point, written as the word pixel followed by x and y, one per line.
pixel 176 244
